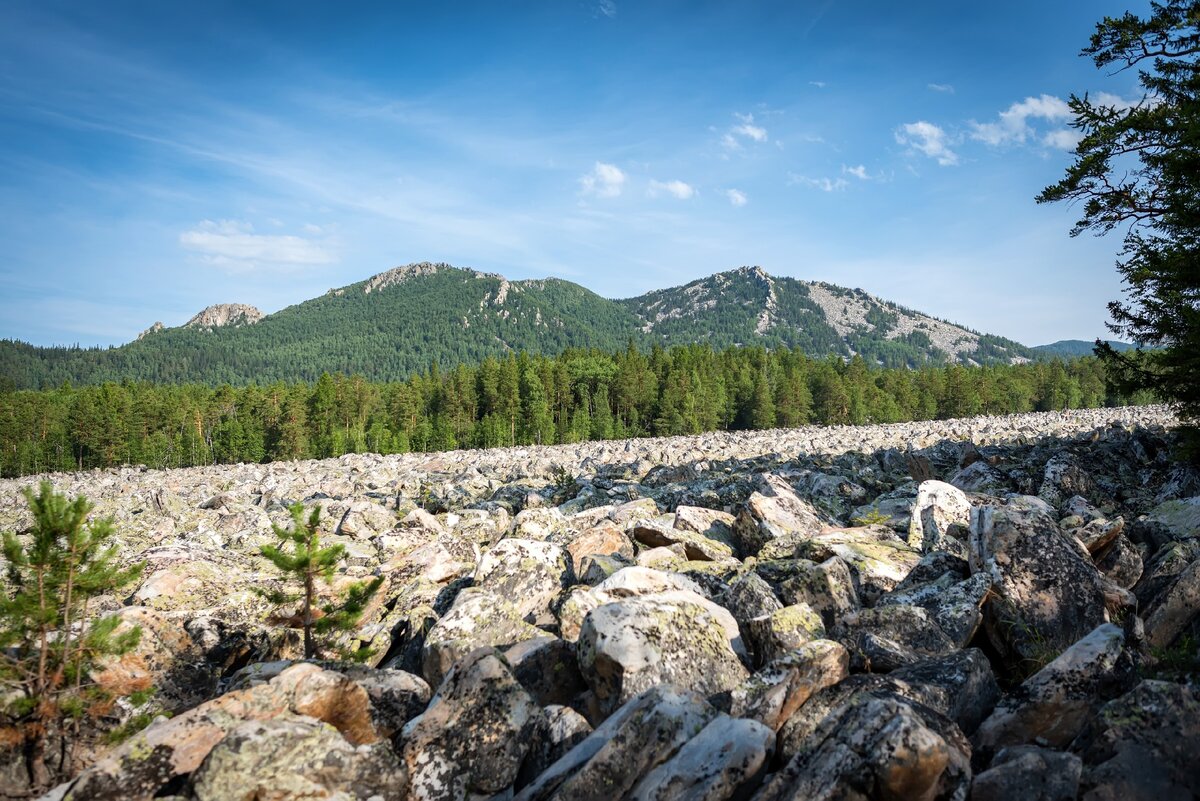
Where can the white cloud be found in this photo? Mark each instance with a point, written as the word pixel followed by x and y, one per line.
pixel 736 197
pixel 233 244
pixel 607 7
pixel 929 139
pixel 1063 138
pixel 751 132
pixel 859 172
pixel 1013 126
pixel 678 189
pixel 944 88
pixel 818 84
pixel 732 139
pixel 824 184
pixel 605 180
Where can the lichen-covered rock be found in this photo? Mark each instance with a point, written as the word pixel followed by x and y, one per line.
pixel 628 582
pixel 877 746
pixel 695 546
pixel 711 523
pixel 1177 609
pixel 1052 706
pixel 165 659
pixel 877 558
pixel 475 733
pixel 1049 596
pixel 1029 772
pixel 774 512
pixel 1120 562
pixel 940 517
pixel 605 539
pixel 174 747
pixel 628 646
pixel 783 631
pixel 889 637
pixel 827 587
pixel 547 669
pixel 1098 534
pixel 527 573
pixel 772 694
pixel 953 606
pixel 1146 745
pixel 635 739
pixel 561 729
pixel 960 685
pixel 478 618
pixel 296 758
pixel 725 760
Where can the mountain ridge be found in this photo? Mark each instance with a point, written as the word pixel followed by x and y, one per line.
pixel 397 321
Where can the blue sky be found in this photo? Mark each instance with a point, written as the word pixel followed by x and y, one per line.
pixel 160 157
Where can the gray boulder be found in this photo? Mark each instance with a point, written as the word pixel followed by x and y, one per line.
pixel 940 517
pixel 1029 772
pixel 527 573
pixel 725 760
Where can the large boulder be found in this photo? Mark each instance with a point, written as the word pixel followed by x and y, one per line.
pixel 477 619
pixel 940 517
pixel 725 760
pixel 881 743
pixel 1048 594
pixel 772 694
pixel 774 512
pixel 628 646
pixel 296 758
pixel 1029 772
pixel 1146 745
pixel 1176 610
pixel 641 735
pixel 529 574
pixel 1052 706
pixel 475 733
pixel 604 539
pixel 174 747
pixel 828 588
pixel 889 637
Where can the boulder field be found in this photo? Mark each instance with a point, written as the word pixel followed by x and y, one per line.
pixel 991 608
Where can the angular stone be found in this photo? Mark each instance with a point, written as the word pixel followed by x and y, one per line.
pixel 1176 610
pixel 877 558
pixel 1098 534
pixel 296 758
pixel 725 760
pixel 475 733
pixel 827 587
pixel 695 546
pixel 1048 595
pixel 561 729
pixel 1051 707
pixel 635 739
pixel 478 618
pixel 774 512
pixel 547 669
pixel 960 685
pixel 605 539
pixel 1146 746
pixel 629 646
pixel 772 694
pixel 1029 772
pixel 527 573
pixel 625 583
pixel 877 741
pixel 784 630
pixel 1121 562
pixel 891 637
pixel 940 517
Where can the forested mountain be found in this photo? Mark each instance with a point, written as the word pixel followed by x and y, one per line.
pixel 1070 348
pixel 398 322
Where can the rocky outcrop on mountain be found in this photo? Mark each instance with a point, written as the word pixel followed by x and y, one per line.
pixel 223 315
pixel 812 613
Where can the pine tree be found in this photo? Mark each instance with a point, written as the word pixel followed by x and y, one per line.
pixel 306 562
pixel 48 646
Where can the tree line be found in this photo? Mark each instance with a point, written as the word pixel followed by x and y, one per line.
pixel 521 399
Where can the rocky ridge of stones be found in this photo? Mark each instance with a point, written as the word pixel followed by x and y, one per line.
pixel 987 608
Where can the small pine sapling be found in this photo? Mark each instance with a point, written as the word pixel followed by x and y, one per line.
pixel 304 563
pixel 48 647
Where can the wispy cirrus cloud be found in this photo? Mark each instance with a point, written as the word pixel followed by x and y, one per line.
pixel 605 180
pixel 745 131
pixel 736 197
pixel 944 88
pixel 233 245
pixel 677 189
pixel 858 171
pixel 929 139
pixel 824 184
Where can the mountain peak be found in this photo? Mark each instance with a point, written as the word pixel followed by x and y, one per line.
pixel 221 315
pixel 406 272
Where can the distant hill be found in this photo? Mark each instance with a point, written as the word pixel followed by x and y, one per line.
pixel 398 321
pixel 1071 348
